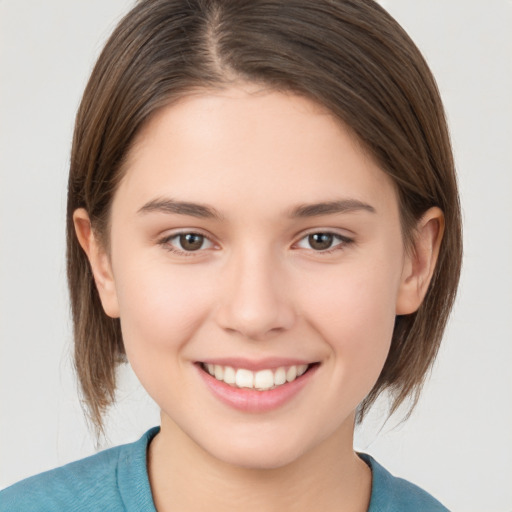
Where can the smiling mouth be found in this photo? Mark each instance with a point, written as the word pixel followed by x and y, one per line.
pixel 261 380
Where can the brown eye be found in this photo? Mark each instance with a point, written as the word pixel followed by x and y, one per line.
pixel 324 242
pixel 191 241
pixel 320 241
pixel 187 243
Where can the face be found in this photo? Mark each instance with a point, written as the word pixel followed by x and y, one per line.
pixel 257 265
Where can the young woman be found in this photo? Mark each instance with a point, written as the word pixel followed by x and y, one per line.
pixel 263 219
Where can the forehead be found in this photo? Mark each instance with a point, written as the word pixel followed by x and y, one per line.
pixel 248 145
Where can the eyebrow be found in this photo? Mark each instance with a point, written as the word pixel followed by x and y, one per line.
pixel 331 207
pixel 165 205
pixel 202 211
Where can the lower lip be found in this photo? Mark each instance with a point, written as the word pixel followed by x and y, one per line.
pixel 251 400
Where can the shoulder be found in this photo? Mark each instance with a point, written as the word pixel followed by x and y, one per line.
pixel 392 494
pixel 104 481
pixel 81 484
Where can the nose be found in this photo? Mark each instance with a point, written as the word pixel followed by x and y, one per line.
pixel 254 301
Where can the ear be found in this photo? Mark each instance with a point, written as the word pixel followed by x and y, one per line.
pixel 420 261
pixel 99 260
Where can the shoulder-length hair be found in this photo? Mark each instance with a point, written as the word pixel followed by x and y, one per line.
pixel 350 56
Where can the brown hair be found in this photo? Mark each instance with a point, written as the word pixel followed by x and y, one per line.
pixel 348 55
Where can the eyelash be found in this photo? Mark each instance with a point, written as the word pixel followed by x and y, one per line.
pixel 343 242
pixel 166 243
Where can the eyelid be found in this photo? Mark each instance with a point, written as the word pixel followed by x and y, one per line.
pixel 165 240
pixel 344 240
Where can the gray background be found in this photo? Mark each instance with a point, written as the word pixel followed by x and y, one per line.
pixel 458 444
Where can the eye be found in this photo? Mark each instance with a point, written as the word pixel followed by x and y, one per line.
pixel 187 242
pixel 323 241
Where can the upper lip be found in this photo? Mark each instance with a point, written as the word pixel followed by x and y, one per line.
pixel 268 363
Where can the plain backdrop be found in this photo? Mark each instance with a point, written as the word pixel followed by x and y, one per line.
pixel 458 443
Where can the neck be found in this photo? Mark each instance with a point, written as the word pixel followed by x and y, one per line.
pixel 183 476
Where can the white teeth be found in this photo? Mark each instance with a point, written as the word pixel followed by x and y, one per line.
pixel 264 379
pixel 261 380
pixel 301 369
pixel 229 375
pixel 280 376
pixel 291 373
pixel 219 372
pixel 244 378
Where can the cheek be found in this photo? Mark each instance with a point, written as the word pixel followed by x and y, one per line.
pixel 355 313
pixel 160 306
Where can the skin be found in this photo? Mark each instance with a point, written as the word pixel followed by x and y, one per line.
pixel 257 288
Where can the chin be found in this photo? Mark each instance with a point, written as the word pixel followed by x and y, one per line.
pixel 258 459
pixel 264 452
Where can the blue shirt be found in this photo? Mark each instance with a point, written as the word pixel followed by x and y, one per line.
pixel 117 480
